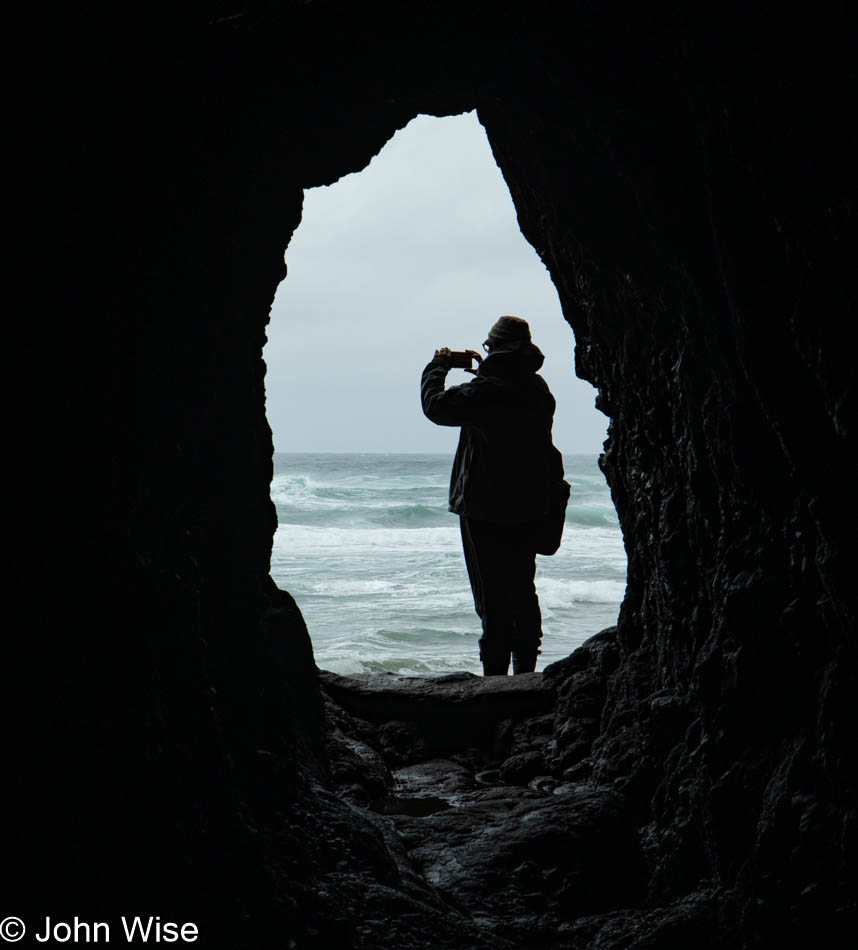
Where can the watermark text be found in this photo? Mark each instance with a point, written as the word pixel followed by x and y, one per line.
pixel 125 930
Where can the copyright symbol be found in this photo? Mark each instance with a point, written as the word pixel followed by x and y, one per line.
pixel 12 929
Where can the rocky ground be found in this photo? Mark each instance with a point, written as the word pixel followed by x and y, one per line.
pixel 482 791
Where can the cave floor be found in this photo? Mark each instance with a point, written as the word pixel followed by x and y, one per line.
pixel 488 828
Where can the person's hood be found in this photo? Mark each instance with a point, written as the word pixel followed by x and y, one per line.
pixel 515 359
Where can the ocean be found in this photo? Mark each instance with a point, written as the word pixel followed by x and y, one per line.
pixel 367 548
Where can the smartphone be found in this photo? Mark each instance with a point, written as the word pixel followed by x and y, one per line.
pixel 460 360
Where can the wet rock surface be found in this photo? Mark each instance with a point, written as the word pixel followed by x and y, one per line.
pixel 487 818
pixel 422 717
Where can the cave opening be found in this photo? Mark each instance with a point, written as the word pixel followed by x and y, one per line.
pixel 420 249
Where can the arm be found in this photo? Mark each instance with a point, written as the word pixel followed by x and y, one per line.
pixel 468 404
pixel 437 401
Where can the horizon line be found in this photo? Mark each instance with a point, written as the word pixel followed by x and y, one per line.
pixel 444 454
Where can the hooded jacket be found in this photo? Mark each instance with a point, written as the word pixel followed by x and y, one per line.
pixel 505 463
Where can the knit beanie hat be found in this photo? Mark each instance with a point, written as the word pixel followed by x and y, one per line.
pixel 510 328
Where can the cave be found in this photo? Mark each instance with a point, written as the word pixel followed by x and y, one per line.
pixel 687 176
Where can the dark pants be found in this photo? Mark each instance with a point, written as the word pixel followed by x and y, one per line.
pixel 501 563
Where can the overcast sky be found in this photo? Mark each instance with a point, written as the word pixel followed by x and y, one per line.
pixel 419 250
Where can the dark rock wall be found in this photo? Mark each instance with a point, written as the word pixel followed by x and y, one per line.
pixel 688 179
pixel 698 232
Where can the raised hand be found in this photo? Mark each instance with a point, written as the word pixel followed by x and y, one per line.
pixel 476 356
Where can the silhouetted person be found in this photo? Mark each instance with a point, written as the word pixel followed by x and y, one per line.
pixel 501 483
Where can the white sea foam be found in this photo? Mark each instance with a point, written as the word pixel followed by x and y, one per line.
pixel 305 540
pixel 561 593
pixel 374 560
